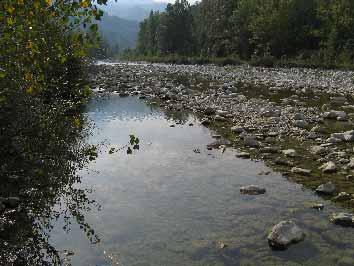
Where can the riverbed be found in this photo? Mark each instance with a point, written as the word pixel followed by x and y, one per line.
pixel 175 202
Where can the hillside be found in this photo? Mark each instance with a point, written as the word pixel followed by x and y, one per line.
pixel 117 31
pixel 134 9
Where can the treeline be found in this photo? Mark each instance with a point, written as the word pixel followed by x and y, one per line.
pixel 319 32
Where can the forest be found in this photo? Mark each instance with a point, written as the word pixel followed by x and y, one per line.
pixel 308 32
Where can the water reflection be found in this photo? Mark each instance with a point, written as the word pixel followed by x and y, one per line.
pixel 167 205
pixel 164 205
pixel 39 163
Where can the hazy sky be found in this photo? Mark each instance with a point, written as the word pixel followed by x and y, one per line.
pixel 172 1
pixel 158 1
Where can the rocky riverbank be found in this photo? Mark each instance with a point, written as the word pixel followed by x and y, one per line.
pixel 299 121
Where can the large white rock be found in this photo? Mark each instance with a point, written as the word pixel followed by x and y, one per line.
pixel 284 234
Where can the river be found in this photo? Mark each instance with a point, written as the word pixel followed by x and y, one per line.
pixel 174 202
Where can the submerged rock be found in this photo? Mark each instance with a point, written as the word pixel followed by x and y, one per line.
pixel 284 234
pixel 317 206
pixel 252 190
pixel 244 155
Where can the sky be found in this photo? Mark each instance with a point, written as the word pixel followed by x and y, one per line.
pixel 172 1
pixel 157 1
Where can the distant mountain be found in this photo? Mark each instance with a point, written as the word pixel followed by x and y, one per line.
pixel 132 9
pixel 119 32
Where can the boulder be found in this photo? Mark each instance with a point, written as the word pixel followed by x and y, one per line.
pixel 328 188
pixel 343 196
pixel 299 116
pixel 209 111
pixel 317 206
pixel 205 122
pixel 318 150
pixel 250 141
pixel 219 118
pixel 338 115
pixel 329 167
pixel 284 234
pixel 237 129
pixel 300 171
pixel 289 153
pixel 280 161
pixel 244 155
pixel 318 129
pixel 342 218
pixel 301 124
pixel 347 136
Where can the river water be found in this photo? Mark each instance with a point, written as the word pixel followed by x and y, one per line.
pixel 168 205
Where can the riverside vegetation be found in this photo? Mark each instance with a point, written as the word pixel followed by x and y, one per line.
pixel 310 33
pixel 43 49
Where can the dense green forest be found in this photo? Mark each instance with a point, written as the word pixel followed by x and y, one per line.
pixel 310 32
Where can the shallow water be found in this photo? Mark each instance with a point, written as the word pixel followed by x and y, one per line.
pixel 167 205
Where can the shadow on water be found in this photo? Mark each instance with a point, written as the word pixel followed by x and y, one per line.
pixel 39 159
